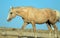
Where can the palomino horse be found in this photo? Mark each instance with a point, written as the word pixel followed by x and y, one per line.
pixel 35 16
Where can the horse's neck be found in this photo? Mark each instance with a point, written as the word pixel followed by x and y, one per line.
pixel 22 13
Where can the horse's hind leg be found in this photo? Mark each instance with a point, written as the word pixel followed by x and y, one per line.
pixel 34 28
pixel 55 30
pixel 50 29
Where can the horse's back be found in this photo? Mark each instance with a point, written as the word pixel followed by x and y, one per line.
pixel 38 15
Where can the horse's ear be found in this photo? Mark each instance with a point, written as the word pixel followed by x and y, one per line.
pixel 11 7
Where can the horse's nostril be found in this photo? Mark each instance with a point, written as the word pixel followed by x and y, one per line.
pixel 8 19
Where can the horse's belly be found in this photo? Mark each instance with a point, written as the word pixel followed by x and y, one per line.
pixel 38 20
pixel 41 20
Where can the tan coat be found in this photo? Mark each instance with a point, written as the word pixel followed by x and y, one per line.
pixel 37 15
pixel 34 16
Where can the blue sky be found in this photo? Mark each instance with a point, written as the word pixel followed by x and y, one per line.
pixel 18 21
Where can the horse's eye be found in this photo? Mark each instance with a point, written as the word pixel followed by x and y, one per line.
pixel 11 13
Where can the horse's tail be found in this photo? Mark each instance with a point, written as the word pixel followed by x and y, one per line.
pixel 58 14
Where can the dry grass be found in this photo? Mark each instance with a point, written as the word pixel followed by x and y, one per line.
pixel 16 32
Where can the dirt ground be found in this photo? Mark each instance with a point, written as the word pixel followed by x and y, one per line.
pixel 18 33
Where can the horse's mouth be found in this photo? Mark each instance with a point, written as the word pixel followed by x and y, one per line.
pixel 8 20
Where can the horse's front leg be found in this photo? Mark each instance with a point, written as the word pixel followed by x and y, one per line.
pixel 24 25
pixel 55 30
pixel 34 28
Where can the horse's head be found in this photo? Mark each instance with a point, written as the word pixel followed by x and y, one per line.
pixel 12 14
pixel 20 11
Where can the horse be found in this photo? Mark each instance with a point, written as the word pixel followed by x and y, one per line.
pixel 35 16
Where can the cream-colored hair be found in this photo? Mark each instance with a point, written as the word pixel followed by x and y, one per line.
pixel 58 15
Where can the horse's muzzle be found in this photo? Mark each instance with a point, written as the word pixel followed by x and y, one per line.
pixel 8 20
